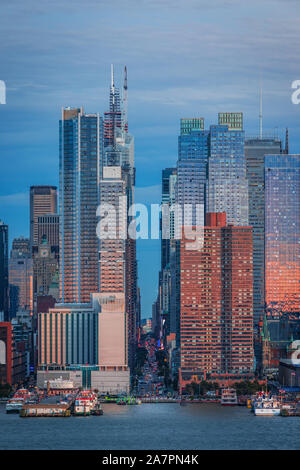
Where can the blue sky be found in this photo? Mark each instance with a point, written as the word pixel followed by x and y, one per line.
pixel 184 58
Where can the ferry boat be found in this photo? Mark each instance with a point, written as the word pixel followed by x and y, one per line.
pixel 85 402
pixel 14 404
pixel 229 397
pixel 267 406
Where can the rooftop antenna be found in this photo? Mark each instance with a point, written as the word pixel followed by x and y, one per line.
pixel 125 98
pixel 260 112
pixel 287 141
pixel 112 85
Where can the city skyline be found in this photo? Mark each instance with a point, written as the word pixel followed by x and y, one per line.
pixel 160 92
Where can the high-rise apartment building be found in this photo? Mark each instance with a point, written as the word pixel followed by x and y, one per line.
pixel 282 233
pixel 255 151
pixel 79 198
pixel 227 183
pixel 4 314
pixel 43 200
pixel 216 303
pixel 20 277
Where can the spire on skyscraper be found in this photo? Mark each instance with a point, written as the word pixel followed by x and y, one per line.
pixel 260 112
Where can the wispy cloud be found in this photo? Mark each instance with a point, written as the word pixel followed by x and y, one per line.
pixel 17 199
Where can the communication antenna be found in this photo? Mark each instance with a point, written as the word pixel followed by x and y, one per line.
pixel 260 112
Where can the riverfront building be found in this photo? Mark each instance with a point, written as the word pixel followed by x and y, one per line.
pixel 216 302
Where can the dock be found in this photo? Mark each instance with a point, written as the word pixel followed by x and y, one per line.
pixel 45 410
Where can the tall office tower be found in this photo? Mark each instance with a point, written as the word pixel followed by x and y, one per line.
pixel 190 196
pixel 193 153
pixel 118 151
pixel 20 276
pixel 216 303
pixel 4 314
pixel 48 228
pixel 45 268
pixel 78 200
pixel 255 151
pixel 282 233
pixel 43 200
pixel 227 183
pixel 167 234
pixel 169 177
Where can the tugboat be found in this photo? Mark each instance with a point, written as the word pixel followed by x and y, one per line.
pixel 85 403
pixel 229 397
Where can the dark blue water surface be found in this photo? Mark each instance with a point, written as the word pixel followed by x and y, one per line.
pixel 152 426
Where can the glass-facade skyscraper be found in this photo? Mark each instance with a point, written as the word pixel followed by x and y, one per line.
pixel 255 151
pixel 4 270
pixel 282 233
pixel 79 167
pixel 227 183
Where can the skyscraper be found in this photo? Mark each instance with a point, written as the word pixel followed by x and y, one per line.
pixel 43 200
pixel 118 152
pixel 282 233
pixel 227 183
pixel 20 276
pixel 3 271
pixel 255 151
pixel 79 198
pixel 48 228
pixel 216 321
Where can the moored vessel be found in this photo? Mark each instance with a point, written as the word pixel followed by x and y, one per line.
pixel 15 404
pixel 229 397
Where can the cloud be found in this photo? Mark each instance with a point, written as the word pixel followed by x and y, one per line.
pixel 17 199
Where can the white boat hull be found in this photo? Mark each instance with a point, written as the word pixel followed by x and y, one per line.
pixel 267 411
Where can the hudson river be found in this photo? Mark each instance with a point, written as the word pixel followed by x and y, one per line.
pixel 152 426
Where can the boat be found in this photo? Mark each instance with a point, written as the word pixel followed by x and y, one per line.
pixel 267 406
pixel 15 404
pixel 121 402
pixel 85 403
pixel 97 411
pixel 229 397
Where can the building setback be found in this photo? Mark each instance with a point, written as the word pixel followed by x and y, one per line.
pixel 216 302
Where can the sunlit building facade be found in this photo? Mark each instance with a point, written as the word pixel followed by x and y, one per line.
pixel 255 151
pixel 216 303
pixel 282 233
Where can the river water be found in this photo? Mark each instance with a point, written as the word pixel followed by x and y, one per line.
pixel 152 426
